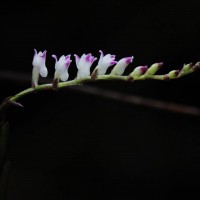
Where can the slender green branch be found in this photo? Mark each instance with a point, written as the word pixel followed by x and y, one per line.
pixel 187 69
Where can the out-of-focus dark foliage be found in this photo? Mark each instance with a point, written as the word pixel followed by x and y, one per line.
pixel 4 164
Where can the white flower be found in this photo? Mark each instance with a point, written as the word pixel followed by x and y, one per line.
pixel 39 66
pixel 83 64
pixel 61 67
pixel 105 62
pixel 121 65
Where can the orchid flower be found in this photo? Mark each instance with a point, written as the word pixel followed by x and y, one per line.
pixel 105 62
pixel 84 64
pixel 39 66
pixel 121 66
pixel 61 67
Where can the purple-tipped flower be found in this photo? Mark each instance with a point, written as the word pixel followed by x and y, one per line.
pixel 39 66
pixel 121 65
pixel 105 62
pixel 61 67
pixel 139 71
pixel 83 64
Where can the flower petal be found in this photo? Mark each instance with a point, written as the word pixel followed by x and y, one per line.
pixel 101 55
pixel 77 59
pixel 64 76
pixel 35 52
pixel 43 71
pixel 55 57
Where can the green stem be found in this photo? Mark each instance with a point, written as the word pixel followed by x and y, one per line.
pixel 65 84
pixel 13 99
pixel 88 79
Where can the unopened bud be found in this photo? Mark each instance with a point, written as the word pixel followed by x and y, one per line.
pixel 187 67
pixel 139 71
pixel 154 68
pixel 173 74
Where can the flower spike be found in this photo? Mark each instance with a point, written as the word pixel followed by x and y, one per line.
pixel 121 66
pixel 105 62
pixel 84 64
pixel 39 66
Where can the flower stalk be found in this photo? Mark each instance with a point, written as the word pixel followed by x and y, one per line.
pixel 74 82
pixel 84 75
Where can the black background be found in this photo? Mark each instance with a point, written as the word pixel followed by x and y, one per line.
pixel 71 145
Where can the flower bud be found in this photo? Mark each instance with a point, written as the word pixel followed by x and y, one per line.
pixel 154 68
pixel 139 71
pixel 173 74
pixel 186 67
pixel 121 66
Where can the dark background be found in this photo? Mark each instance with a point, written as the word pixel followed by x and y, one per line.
pixel 72 145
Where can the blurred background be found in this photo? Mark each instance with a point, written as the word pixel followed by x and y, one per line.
pixel 104 140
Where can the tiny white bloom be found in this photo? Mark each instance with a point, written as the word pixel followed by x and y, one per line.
pixel 61 67
pixel 39 66
pixel 121 65
pixel 84 64
pixel 105 62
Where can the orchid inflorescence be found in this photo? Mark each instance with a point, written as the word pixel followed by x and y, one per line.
pixel 85 62
pixel 85 74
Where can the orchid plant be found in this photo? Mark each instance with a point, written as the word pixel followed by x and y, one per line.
pixel 84 74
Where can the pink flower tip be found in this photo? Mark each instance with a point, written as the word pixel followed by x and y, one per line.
pixel 160 64
pixel 35 51
pixel 143 69
pixel 113 62
pixel 88 57
pixel 68 56
pixel 67 64
pixel 55 57
pixel 101 52
pixel 44 54
pixel 94 59
pixel 129 60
